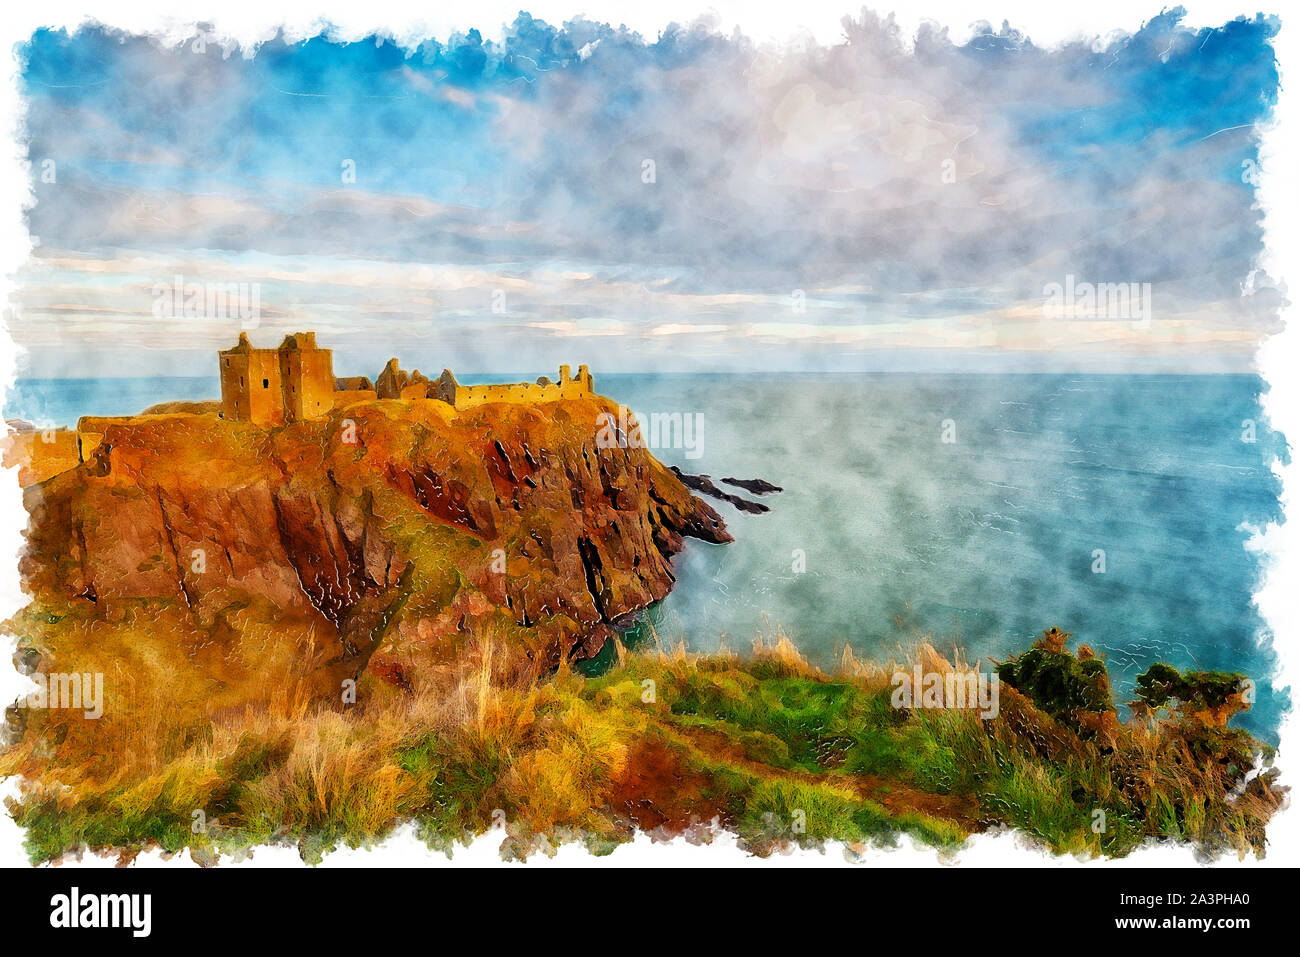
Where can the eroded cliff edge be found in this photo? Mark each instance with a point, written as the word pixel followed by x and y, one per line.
pixel 374 539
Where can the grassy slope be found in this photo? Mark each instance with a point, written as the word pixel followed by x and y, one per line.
pixel 765 746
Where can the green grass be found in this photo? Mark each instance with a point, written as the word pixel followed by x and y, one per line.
pixel 776 752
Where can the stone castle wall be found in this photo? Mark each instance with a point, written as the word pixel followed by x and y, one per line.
pixel 468 396
pixel 43 454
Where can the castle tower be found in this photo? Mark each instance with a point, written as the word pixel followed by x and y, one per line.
pixel 307 374
pixel 276 386
pixel 250 384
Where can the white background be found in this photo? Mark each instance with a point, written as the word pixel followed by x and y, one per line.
pixel 249 21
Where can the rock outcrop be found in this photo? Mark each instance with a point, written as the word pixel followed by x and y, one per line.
pixel 389 529
pixel 702 483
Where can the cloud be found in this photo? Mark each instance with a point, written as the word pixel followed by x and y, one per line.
pixel 898 190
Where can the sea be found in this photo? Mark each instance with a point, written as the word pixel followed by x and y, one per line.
pixel 970 510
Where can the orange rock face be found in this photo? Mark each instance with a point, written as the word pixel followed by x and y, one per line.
pixel 392 529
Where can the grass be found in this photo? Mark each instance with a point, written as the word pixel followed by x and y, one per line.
pixel 764 745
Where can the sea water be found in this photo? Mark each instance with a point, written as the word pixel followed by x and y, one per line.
pixel 1116 507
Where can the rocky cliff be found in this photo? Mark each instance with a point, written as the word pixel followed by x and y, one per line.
pixel 388 532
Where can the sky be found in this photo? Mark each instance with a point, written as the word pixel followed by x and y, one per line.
pixel 691 201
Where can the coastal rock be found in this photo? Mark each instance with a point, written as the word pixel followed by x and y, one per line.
pixel 702 483
pixel 754 486
pixel 391 529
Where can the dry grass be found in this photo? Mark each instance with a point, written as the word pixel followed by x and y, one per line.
pixel 743 741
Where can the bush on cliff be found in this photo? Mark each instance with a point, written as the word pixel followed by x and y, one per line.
pixel 1055 680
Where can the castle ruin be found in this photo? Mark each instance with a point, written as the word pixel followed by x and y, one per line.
pixel 274 387
pixel 296 381
pixel 277 386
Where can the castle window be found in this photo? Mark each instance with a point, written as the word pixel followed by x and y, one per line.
pixel 266 383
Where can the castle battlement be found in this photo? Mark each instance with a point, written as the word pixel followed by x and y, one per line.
pixel 296 381
pixel 543 390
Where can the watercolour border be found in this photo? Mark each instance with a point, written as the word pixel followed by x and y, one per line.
pixel 247 22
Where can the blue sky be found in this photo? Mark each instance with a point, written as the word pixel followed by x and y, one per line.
pixel 882 202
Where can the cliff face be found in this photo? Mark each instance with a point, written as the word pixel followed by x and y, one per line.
pixel 388 530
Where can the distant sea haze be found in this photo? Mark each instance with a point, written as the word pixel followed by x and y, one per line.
pixel 980 541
